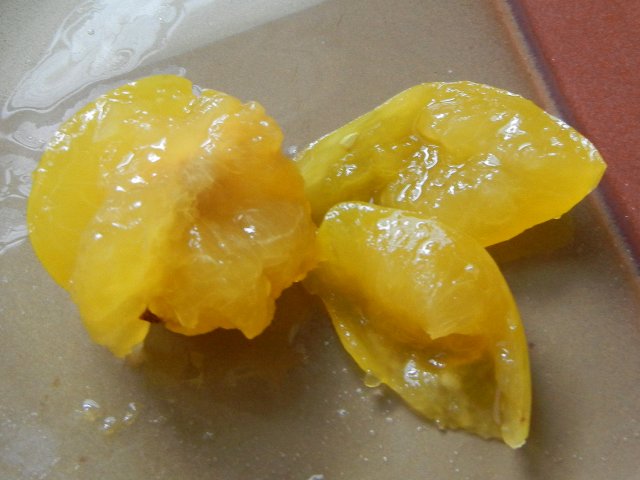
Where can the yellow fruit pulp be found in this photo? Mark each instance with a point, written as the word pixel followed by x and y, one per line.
pixel 159 203
pixel 481 159
pixel 426 311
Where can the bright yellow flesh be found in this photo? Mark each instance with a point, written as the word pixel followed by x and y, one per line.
pixel 426 311
pixel 481 159
pixel 154 201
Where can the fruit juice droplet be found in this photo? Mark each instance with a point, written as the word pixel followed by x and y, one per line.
pixel 109 425
pixel 371 381
pixel 348 140
pixel 90 410
pixel 130 414
pixel 291 151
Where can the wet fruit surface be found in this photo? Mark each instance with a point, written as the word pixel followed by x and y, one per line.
pixel 481 159
pixel 426 311
pixel 157 202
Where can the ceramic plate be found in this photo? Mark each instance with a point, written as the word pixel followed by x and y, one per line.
pixel 291 405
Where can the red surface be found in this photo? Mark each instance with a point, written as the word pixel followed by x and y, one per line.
pixel 590 53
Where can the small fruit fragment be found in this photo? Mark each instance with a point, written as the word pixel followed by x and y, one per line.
pixel 426 311
pixel 156 204
pixel 481 159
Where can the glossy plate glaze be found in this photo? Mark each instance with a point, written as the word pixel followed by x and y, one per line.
pixel 292 404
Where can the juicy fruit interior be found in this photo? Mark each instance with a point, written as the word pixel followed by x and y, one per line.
pixel 156 202
pixel 481 159
pixel 426 311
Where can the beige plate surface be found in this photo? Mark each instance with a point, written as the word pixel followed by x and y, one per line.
pixel 291 406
